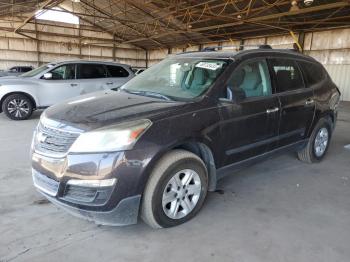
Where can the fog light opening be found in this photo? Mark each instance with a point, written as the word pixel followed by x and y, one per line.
pixel 92 183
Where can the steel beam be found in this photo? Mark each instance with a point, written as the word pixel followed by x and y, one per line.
pixel 277 15
pixel 33 14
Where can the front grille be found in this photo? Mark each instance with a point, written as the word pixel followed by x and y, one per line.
pixel 45 184
pixel 53 141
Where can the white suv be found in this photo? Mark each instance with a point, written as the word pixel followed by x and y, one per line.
pixel 55 82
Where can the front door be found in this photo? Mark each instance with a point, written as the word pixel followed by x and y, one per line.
pixel 297 104
pixel 61 86
pixel 250 121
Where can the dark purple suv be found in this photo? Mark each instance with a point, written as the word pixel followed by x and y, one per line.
pixel 154 147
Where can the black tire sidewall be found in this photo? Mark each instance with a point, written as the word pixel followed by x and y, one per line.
pixel 158 212
pixel 17 96
pixel 323 123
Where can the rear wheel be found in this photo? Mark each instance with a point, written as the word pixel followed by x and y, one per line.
pixel 175 191
pixel 17 107
pixel 318 143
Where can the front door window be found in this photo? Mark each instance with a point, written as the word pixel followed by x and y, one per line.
pixel 64 72
pixel 252 79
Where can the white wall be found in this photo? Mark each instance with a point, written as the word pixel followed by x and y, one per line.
pixel 332 48
pixel 341 77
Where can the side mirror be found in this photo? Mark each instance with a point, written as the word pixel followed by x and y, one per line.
pixel 47 76
pixel 228 96
pixel 233 94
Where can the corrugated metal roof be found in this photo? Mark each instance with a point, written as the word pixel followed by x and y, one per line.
pixel 158 23
pixel 163 24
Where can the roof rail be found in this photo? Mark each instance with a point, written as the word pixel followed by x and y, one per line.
pixel 237 47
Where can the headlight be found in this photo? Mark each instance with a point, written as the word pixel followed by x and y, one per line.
pixel 111 139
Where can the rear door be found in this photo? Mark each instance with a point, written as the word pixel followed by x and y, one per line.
pixel 297 104
pixel 92 77
pixel 250 123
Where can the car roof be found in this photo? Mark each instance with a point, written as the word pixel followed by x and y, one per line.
pixel 89 62
pixel 246 54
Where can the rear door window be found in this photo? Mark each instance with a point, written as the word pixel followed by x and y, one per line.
pixel 286 74
pixel 117 71
pixel 89 71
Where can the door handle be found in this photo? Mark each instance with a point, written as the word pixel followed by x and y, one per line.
pixel 73 84
pixel 109 83
pixel 309 102
pixel 272 110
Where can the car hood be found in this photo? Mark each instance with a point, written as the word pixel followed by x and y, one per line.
pixel 14 80
pixel 109 107
pixel 5 75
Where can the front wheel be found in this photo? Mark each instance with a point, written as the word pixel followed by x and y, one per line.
pixel 318 143
pixel 17 107
pixel 176 190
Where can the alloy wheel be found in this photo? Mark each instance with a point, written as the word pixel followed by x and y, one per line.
pixel 321 141
pixel 181 194
pixel 18 108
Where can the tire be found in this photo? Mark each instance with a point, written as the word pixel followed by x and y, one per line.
pixel 17 107
pixel 160 212
pixel 311 153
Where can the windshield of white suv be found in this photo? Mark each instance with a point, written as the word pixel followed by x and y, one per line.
pixel 37 71
pixel 177 78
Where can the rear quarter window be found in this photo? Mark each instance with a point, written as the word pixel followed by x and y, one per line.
pixel 312 72
pixel 117 71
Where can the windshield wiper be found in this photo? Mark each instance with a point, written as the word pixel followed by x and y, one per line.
pixel 155 94
pixel 149 94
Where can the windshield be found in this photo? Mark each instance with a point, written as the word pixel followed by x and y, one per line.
pixel 37 71
pixel 177 78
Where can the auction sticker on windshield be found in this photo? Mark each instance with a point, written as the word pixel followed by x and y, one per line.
pixel 209 65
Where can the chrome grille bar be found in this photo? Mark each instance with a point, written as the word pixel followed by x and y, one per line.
pixel 53 141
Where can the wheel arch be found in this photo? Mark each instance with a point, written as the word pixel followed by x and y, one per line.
pixel 325 114
pixel 200 149
pixel 32 99
pixel 205 153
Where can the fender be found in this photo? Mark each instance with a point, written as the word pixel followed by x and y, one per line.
pixel 19 87
pixel 198 148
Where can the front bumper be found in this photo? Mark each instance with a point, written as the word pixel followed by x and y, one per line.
pixel 105 205
pixel 125 213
